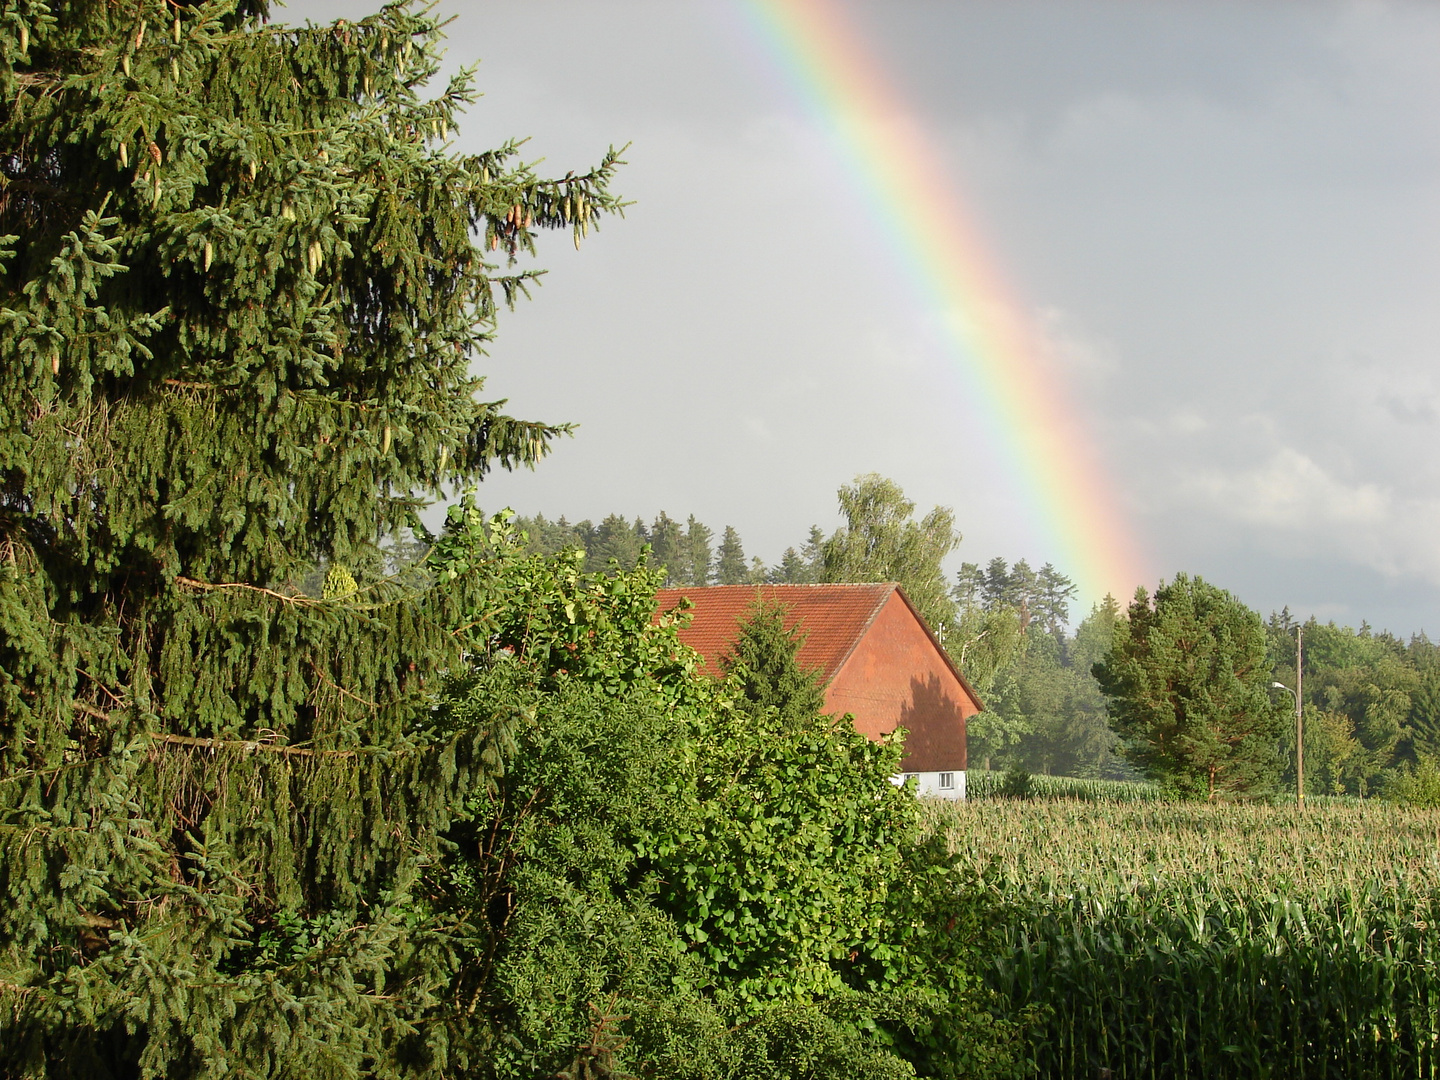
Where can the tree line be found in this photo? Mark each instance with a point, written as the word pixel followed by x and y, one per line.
pixel 687 554
pixel 1062 700
pixel 1006 626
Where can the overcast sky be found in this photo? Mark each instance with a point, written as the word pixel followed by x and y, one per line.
pixel 1224 218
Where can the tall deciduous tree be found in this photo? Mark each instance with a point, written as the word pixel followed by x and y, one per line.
pixel 882 541
pixel 1188 687
pixel 243 283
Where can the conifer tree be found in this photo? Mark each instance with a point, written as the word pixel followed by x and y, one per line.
pixel 242 284
pixel 814 554
pixel 615 540
pixel 765 661
pixel 730 568
pixel 791 570
pixel 666 543
pixel 1187 684
pixel 696 564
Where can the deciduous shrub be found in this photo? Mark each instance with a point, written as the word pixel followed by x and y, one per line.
pixel 736 892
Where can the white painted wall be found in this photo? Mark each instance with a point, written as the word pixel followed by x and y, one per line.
pixel 940 785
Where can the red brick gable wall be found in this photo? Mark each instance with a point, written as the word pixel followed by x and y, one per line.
pixel 882 664
pixel 897 677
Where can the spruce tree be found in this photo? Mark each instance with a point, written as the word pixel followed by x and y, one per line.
pixel 814 554
pixel 666 541
pixel 730 568
pixel 791 569
pixel 696 564
pixel 765 662
pixel 615 540
pixel 242 284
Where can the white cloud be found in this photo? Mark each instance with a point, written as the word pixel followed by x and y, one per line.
pixel 1072 348
pixel 1290 491
pixel 1187 422
pixel 1292 503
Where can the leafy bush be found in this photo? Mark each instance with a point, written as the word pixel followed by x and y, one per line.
pixel 1417 786
pixel 687 887
pixel 1016 784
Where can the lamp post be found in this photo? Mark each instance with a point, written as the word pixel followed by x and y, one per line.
pixel 1299 716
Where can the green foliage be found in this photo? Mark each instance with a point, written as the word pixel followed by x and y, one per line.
pixel 1070 731
pixel 730 565
pixel 1416 786
pixel 1370 704
pixel 803 567
pixel 737 887
pixel 245 283
pixel 1424 719
pixel 1043 708
pixel 547 870
pixel 881 541
pixel 791 570
pixel 981 785
pixel 1016 784
pixel 763 664
pixel 548 537
pixel 682 552
pixel 1188 689
pixel 1042 597
pixel 692 562
pixel 667 546
pixel 614 541
pixel 783 887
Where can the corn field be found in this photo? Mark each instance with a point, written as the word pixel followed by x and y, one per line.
pixel 1188 940
pixel 980 784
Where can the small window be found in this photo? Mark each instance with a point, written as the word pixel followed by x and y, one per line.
pixel 911 776
pixel 947 779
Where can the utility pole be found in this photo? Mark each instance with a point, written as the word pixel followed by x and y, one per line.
pixel 1300 717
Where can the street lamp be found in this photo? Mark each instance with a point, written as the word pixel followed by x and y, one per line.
pixel 1299 717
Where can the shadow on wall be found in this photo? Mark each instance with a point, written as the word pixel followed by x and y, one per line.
pixel 935 726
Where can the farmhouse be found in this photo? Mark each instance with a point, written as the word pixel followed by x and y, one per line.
pixel 879 661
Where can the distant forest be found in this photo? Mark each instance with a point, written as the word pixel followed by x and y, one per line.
pixel 689 552
pixel 1372 699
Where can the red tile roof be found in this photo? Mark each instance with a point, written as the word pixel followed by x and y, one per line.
pixel 834 618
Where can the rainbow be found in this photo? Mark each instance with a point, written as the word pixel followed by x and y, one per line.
pixel 1016 393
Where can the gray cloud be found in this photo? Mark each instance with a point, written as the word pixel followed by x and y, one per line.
pixel 1222 218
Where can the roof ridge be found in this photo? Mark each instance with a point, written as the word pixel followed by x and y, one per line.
pixel 835 615
pixel 891 588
